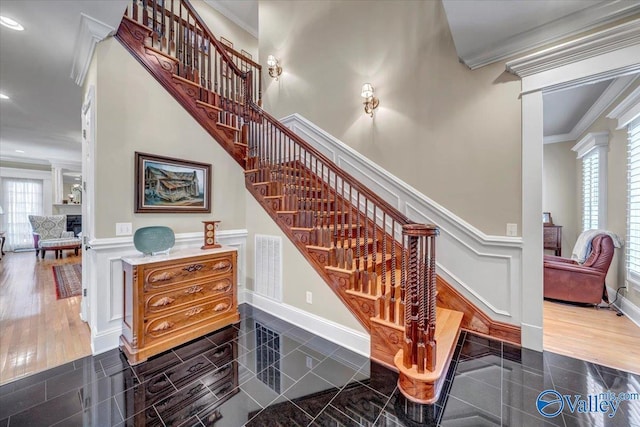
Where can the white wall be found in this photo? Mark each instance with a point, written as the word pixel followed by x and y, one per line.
pixel 559 192
pixel 221 26
pixel 451 133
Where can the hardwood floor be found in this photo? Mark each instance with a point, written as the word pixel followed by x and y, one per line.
pixel 596 335
pixel 37 331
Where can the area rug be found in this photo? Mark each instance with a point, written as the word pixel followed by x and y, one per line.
pixel 68 279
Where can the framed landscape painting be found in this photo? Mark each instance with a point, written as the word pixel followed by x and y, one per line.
pixel 165 184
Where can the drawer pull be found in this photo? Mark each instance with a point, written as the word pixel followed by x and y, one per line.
pixel 193 267
pixel 162 302
pixel 163 326
pixel 221 307
pixel 162 277
pixel 193 290
pixel 222 265
pixel 193 311
pixel 221 286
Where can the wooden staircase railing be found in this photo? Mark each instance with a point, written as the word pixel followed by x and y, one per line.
pixel 378 262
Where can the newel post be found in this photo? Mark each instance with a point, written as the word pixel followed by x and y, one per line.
pixel 417 359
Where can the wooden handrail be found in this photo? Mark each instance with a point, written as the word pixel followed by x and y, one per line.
pixel 390 210
pixel 219 46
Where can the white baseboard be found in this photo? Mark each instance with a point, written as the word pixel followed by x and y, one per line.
pixel 623 304
pixel 105 341
pixel 531 336
pixel 353 340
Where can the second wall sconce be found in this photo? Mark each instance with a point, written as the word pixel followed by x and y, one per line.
pixel 274 67
pixel 370 101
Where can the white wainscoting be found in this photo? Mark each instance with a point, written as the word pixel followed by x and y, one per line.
pixel 106 280
pixel 486 269
pixel 332 331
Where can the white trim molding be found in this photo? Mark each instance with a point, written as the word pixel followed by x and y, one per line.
pixel 611 93
pixel 625 305
pixel 552 32
pixel 591 141
pixel 627 110
pixel 614 38
pixel 334 332
pixel 597 141
pixel 105 286
pixel 485 269
pixel 90 33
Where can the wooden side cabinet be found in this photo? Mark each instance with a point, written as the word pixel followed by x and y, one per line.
pixel 172 299
pixel 553 238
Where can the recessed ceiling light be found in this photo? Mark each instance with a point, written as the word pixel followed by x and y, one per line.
pixel 10 23
pixel 19 151
pixel 3 96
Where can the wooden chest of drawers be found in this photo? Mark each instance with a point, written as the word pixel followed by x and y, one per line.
pixel 553 238
pixel 172 299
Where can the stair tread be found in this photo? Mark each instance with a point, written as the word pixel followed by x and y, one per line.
pixel 353 244
pixel 182 79
pixel 207 105
pixel 222 125
pixel 378 291
pixel 362 266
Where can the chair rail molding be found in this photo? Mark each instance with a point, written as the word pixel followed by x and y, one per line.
pixel 486 269
pixel 105 290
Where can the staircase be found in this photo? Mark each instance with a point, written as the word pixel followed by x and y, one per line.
pixel 379 263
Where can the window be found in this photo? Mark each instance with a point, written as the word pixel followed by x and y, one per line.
pixel 633 200
pixel 592 149
pixel 590 191
pixel 22 197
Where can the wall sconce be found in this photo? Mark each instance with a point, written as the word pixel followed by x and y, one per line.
pixel 274 67
pixel 370 101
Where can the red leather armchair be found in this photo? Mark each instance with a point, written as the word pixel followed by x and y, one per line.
pixel 566 280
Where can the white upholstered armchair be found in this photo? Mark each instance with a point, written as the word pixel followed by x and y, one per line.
pixel 49 233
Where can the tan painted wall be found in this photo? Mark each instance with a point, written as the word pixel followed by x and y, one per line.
pixel 298 275
pixel 559 195
pixel 134 113
pixel 616 193
pixel 221 26
pixel 452 133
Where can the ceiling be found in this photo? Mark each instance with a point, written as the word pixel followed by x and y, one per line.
pixel 42 118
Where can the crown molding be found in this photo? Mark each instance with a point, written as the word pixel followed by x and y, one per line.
pixel 604 101
pixel 90 33
pixel 627 110
pixel 228 13
pixel 591 141
pixel 552 32
pixel 610 39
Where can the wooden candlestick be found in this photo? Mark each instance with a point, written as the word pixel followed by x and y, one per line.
pixel 210 235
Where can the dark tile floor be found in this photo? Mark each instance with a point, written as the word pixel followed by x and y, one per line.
pixel 266 372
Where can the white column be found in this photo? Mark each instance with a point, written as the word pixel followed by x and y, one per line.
pixel 532 248
pixel 57 185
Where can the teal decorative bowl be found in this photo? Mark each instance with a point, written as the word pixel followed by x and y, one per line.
pixel 153 240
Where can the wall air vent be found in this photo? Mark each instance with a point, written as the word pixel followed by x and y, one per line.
pixel 268 266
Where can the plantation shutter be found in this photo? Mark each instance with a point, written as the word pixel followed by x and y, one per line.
pixel 590 186
pixel 633 200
